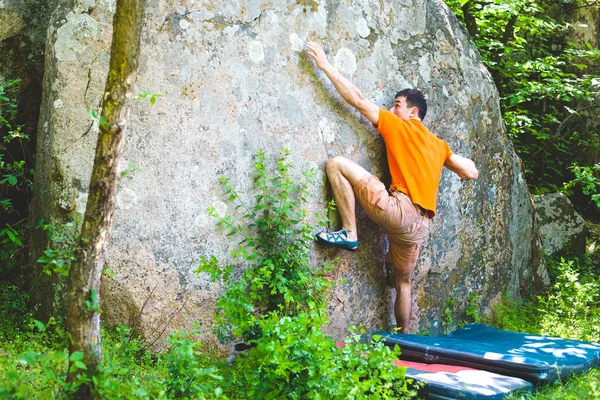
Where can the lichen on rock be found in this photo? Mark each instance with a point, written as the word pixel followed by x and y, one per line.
pixel 75 36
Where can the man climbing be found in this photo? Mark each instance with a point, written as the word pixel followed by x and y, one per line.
pixel 415 158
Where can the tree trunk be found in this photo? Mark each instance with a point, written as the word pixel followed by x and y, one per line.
pixel 83 297
pixel 470 21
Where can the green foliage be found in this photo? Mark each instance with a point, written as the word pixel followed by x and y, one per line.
pixel 547 84
pixel 93 303
pixel 97 117
pixel 10 235
pixel 8 104
pixel 189 375
pixel 448 315
pixel 279 309
pixel 516 316
pixel 13 312
pixel 574 297
pixel 585 386
pixel 472 310
pixel 294 359
pixel 128 172
pixel 58 257
pixel 34 359
pixel 275 244
pixel 588 178
pixel 152 97
pixel 41 373
pixel 277 304
pixel 57 261
pixel 11 244
pixel 15 178
pixel 21 340
pixel 451 318
pixel 569 309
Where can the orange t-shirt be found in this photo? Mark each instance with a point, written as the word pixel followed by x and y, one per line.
pixel 415 157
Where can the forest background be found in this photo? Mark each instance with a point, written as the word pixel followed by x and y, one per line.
pixel 549 85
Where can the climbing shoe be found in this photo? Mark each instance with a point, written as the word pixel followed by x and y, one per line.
pixel 337 239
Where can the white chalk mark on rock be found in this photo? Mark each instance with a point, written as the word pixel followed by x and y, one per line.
pixel 256 52
pixel 362 28
pixel 183 24
pixel 345 61
pixel 327 133
pixel 126 199
pixel 297 42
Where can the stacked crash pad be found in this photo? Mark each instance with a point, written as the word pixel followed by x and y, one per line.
pixel 453 382
pixel 525 357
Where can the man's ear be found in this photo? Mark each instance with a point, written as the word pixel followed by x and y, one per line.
pixel 414 112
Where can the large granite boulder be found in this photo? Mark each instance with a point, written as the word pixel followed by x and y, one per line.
pixel 235 81
pixel 563 230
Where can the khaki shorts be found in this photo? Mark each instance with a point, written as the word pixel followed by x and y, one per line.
pixel 405 223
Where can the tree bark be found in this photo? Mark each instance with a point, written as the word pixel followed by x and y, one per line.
pixel 470 21
pixel 83 296
pixel 509 30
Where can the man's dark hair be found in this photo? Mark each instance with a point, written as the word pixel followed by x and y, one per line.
pixel 414 98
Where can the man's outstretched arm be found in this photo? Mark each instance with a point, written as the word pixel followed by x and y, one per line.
pixel 345 88
pixel 462 166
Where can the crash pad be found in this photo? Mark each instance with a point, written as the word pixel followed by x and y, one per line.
pixel 535 358
pixel 439 381
pixel 454 382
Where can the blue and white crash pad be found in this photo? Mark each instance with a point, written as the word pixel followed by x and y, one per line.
pixel 535 358
pixel 452 382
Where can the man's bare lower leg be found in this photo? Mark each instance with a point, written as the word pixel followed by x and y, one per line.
pixel 402 307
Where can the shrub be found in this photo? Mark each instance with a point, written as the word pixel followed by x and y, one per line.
pixel 188 373
pixel 571 308
pixel 275 247
pixel 278 305
pixel 294 359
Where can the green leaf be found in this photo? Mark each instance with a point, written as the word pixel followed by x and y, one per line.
pixel 10 235
pixel 80 365
pixel 571 111
pixel 40 325
pixel 45 259
pixel 28 358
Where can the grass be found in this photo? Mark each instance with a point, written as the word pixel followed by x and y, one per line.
pixel 34 357
pixel 570 309
pixel 585 386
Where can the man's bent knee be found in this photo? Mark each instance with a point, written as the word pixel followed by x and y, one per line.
pixel 347 168
pixel 402 278
pixel 335 163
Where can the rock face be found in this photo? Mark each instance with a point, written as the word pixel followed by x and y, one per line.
pixel 23 26
pixel 562 229
pixel 235 81
pixel 585 25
